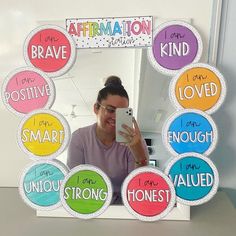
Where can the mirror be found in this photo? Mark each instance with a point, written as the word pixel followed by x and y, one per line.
pixel 76 94
pixel 76 91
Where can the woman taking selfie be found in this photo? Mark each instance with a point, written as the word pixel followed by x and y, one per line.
pixel 96 144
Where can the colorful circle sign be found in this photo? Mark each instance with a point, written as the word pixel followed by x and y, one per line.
pixel 40 184
pixel 51 49
pixel 43 134
pixel 27 89
pixel 195 178
pixel 190 130
pixel 86 192
pixel 175 45
pixel 148 194
pixel 198 86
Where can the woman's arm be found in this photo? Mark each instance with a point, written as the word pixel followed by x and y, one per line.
pixel 75 155
pixel 136 144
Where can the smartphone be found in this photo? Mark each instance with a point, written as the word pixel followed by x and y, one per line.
pixel 123 116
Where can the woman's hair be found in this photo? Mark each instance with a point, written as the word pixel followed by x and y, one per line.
pixel 113 86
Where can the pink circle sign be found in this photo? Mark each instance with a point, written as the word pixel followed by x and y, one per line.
pixel 27 89
pixel 148 194
pixel 51 49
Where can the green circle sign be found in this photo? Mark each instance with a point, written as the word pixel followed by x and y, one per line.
pixel 86 192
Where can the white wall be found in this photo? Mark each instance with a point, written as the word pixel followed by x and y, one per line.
pixel 18 18
pixel 225 153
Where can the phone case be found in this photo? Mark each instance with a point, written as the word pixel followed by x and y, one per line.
pixel 123 116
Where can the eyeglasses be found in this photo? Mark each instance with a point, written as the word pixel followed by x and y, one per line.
pixel 108 108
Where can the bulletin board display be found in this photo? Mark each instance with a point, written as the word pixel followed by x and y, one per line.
pixel 45 134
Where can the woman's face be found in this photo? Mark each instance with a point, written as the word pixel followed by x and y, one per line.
pixel 106 115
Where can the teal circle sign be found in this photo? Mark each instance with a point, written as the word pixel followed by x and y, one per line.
pixel 195 178
pixel 40 184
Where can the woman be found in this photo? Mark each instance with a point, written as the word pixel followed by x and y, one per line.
pixel 96 145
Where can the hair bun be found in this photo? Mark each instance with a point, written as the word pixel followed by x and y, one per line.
pixel 113 81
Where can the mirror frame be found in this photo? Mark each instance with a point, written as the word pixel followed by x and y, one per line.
pixel 179 212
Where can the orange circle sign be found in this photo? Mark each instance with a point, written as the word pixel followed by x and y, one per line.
pixel 198 86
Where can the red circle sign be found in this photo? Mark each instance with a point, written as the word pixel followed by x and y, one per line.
pixel 148 194
pixel 51 49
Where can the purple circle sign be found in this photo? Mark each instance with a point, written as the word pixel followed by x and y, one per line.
pixel 175 45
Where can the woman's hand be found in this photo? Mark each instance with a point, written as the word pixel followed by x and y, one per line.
pixel 132 135
pixel 135 143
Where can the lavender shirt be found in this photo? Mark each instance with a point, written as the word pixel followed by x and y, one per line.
pixel 116 161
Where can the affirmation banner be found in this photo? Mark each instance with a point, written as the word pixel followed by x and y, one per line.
pixel 111 32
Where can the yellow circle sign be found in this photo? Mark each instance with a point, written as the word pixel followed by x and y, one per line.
pixel 198 86
pixel 43 133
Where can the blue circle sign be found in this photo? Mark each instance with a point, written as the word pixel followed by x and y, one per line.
pixel 190 130
pixel 195 178
pixel 40 184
